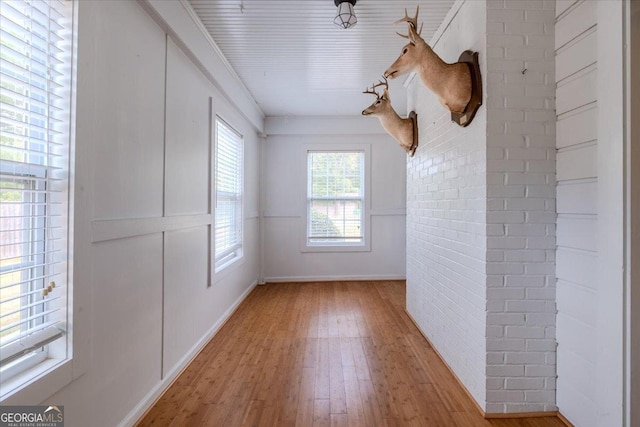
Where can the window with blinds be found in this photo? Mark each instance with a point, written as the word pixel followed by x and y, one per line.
pixel 228 182
pixel 35 90
pixel 335 198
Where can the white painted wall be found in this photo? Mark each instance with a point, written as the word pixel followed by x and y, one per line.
pixel 446 214
pixel 521 217
pixel 590 170
pixel 143 213
pixel 577 174
pixel 481 210
pixel 285 200
pixel 633 217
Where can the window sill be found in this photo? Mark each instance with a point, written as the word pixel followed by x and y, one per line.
pixel 228 267
pixel 364 247
pixel 47 378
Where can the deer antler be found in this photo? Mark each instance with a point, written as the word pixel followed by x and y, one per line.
pixel 373 88
pixel 410 21
pixel 381 83
pixel 372 91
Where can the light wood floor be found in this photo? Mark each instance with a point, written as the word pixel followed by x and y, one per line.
pixel 321 354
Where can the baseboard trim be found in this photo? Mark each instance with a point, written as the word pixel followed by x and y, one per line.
pixel 329 278
pixel 541 414
pixel 145 405
pixel 476 404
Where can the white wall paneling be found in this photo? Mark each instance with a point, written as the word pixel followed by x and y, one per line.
pixel 179 20
pixel 188 137
pixel 633 217
pixel 186 317
pixel 128 141
pixel 590 99
pixel 143 212
pixel 611 284
pixel 188 189
pixel 577 205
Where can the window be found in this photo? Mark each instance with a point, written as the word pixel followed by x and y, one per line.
pixel 228 210
pixel 335 198
pixel 35 108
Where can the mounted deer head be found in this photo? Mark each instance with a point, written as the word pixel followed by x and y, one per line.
pixel 450 82
pixel 404 131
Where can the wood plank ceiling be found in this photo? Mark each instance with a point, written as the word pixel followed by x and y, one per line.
pixel 296 62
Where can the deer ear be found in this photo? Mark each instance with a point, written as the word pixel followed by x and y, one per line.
pixel 385 95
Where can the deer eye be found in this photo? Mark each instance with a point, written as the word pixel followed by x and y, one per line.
pixel 377 102
pixel 405 50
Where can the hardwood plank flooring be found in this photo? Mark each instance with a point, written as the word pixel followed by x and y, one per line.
pixel 321 354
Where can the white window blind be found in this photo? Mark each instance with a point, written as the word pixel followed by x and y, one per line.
pixel 35 76
pixel 228 210
pixel 335 198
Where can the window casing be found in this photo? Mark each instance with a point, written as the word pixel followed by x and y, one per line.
pixel 229 194
pixel 36 67
pixel 336 214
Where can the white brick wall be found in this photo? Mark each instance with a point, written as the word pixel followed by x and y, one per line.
pixel 446 224
pixel 521 202
pixel 481 211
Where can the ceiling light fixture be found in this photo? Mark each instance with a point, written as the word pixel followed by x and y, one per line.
pixel 345 16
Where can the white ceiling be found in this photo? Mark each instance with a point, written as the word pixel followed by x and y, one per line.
pixel 296 62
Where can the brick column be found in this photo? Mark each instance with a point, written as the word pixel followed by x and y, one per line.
pixel 481 210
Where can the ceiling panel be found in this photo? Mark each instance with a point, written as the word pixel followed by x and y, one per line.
pixel 296 62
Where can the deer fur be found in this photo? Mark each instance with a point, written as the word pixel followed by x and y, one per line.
pixel 450 82
pixel 400 129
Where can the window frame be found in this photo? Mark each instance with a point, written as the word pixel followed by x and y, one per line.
pixel 365 245
pixel 45 374
pixel 219 266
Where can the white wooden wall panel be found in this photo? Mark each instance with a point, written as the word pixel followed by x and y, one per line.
pixel 577 207
pixel 186 295
pixel 577 21
pixel 127 308
pixel 580 343
pixel 576 55
pixel 578 197
pixel 187 190
pixel 124 246
pixel 563 5
pixel 283 179
pixel 568 259
pixel 577 266
pixel 128 137
pixel 577 90
pixel 188 136
pixel 577 162
pixel 580 125
pixel 633 332
pixel 580 404
pixel 584 302
pixel 577 232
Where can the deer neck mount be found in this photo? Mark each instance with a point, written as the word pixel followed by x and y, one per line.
pixel 457 85
pixel 405 131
